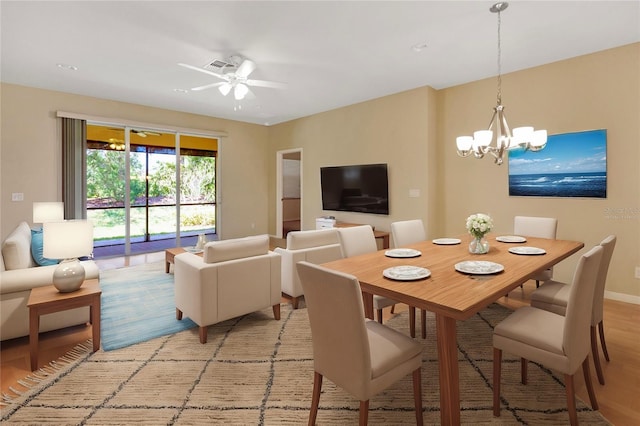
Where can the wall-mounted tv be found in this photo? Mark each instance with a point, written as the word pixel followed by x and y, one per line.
pixel 358 188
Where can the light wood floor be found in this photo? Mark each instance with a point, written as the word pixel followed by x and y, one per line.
pixel 618 399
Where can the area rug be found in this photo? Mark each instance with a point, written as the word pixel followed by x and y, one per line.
pixel 137 305
pixel 255 370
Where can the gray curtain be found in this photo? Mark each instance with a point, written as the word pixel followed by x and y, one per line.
pixel 74 169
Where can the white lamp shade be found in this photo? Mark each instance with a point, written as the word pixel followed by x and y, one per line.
pixel 464 143
pixel 48 212
pixel 67 239
pixel 224 88
pixel 240 91
pixel 539 138
pixel 482 137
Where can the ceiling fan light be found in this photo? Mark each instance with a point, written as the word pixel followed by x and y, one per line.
pixel 224 89
pixel 240 91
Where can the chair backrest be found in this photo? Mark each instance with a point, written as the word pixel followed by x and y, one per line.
pixel 336 314
pixel 540 227
pixel 407 232
pixel 608 244
pixel 237 248
pixel 577 318
pixel 355 240
pixel 298 240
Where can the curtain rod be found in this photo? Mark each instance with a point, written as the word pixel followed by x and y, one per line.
pixel 111 121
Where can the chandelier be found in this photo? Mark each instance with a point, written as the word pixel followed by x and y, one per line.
pixel 483 141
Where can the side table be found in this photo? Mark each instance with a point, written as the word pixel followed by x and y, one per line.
pixel 47 300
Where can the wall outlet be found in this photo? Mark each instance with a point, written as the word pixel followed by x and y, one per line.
pixel 638 272
pixel 17 196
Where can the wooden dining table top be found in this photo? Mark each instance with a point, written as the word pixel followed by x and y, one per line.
pixel 447 291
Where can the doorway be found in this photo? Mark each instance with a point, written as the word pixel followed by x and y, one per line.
pixel 289 192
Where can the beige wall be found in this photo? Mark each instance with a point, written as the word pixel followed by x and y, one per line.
pixel 31 155
pixel 414 132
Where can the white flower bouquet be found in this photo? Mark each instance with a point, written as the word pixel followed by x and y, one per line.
pixel 479 224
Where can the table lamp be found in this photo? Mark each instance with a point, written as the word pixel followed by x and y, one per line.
pixel 48 211
pixel 68 240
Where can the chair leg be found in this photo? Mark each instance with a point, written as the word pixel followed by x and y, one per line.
pixel 497 366
pixel 393 309
pixel 587 380
pixel 294 302
pixel 523 370
pixel 602 343
pixel 571 399
pixel 379 313
pixel 412 321
pixel 178 314
pixel 424 323
pixel 364 413
pixel 417 395
pixel 596 355
pixel 203 334
pixel 537 284
pixel 276 311
pixel 315 399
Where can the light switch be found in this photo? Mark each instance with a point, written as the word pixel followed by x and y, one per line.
pixel 414 193
pixel 17 196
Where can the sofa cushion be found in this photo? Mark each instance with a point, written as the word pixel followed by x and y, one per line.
pixel 221 251
pixel 16 249
pixel 298 240
pixel 36 249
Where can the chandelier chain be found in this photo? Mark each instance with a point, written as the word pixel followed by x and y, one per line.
pixel 499 62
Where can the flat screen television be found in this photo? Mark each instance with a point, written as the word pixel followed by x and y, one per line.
pixel 358 188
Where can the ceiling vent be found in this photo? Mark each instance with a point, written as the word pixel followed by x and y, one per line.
pixel 218 65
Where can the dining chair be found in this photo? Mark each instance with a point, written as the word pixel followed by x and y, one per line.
pixel 558 342
pixel 553 296
pixel 359 355
pixel 356 240
pixel 403 233
pixel 539 227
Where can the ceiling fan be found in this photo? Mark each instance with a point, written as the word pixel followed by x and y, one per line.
pixel 235 73
pixel 141 133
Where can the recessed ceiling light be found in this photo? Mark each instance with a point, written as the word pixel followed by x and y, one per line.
pixel 67 67
pixel 181 90
pixel 419 47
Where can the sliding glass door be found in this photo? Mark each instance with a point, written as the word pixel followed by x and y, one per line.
pixel 132 187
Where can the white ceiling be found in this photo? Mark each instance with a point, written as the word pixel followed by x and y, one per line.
pixel 330 53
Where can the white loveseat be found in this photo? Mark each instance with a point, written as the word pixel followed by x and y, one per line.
pixel 315 246
pixel 18 275
pixel 232 278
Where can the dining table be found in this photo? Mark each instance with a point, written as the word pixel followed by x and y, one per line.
pixel 443 277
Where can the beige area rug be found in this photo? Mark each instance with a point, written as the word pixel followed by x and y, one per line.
pixel 255 370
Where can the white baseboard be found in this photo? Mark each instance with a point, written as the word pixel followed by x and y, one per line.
pixel 621 297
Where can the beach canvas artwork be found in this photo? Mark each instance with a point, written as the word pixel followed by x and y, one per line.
pixel 571 165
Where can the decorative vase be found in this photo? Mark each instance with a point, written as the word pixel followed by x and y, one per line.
pixel 479 245
pixel 202 240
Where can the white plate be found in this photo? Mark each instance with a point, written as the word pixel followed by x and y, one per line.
pixel 406 273
pixel 447 241
pixel 511 239
pixel 479 267
pixel 402 252
pixel 193 250
pixel 526 250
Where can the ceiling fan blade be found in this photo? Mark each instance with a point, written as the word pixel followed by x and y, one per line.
pixel 246 68
pixel 263 83
pixel 202 70
pixel 208 86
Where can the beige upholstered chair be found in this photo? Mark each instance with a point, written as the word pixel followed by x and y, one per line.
pixel 356 240
pixel 358 355
pixel 553 296
pixel 539 227
pixel 558 342
pixel 232 278
pixel 315 246
pixel 403 233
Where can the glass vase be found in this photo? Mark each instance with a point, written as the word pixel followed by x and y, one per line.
pixel 479 245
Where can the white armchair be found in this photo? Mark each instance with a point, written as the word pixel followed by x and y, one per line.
pixel 232 278
pixel 315 246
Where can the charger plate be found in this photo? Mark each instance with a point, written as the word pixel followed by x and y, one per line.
pixel 479 267
pixel 527 250
pixel 406 273
pixel 402 252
